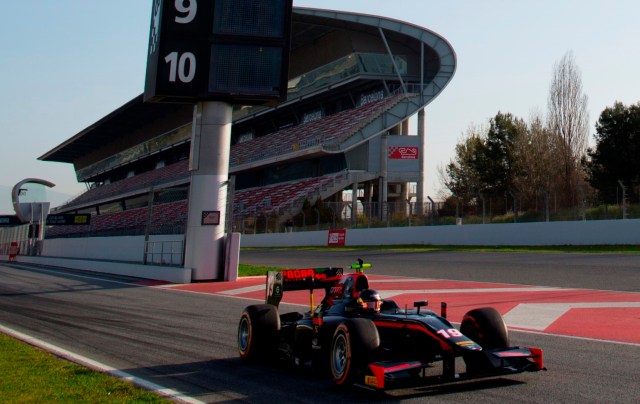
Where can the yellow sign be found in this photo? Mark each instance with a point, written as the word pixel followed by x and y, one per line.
pixel 371 381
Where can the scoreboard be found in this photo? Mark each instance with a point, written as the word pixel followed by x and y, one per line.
pixel 218 50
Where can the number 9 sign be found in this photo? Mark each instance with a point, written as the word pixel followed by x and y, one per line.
pixel 177 58
pixel 182 40
pixel 189 11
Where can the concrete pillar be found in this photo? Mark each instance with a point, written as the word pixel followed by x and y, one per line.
pixel 209 166
pixel 405 127
pixel 354 203
pixel 421 186
pixel 382 195
pixel 404 197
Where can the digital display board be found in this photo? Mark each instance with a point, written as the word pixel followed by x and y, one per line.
pixel 68 219
pixel 247 69
pixel 9 220
pixel 227 50
pixel 250 17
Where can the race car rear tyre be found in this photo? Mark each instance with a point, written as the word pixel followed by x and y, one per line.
pixel 258 332
pixel 353 342
pixel 486 327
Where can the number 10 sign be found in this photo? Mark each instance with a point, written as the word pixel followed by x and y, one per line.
pixel 230 50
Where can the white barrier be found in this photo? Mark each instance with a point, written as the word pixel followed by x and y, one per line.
pixel 595 232
pixel 114 255
pixel 109 254
pixel 163 273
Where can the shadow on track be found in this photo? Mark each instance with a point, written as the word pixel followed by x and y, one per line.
pixel 234 380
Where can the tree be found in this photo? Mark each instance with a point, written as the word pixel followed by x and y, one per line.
pixel 486 161
pixel 615 156
pixel 568 122
pixel 535 151
pixel 461 176
pixel 499 154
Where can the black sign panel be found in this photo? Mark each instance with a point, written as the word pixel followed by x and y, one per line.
pixel 68 220
pixel 228 50
pixel 210 218
pixel 9 220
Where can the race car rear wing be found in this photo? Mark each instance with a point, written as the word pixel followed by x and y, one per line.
pixel 305 279
pixel 298 279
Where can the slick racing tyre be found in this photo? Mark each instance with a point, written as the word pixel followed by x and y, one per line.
pixel 353 342
pixel 258 332
pixel 486 327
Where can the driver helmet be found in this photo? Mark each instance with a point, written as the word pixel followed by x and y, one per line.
pixel 369 301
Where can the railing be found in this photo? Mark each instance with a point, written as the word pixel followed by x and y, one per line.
pixel 164 252
pixel 346 215
pixel 19 234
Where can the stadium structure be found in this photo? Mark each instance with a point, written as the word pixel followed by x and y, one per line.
pixel 354 82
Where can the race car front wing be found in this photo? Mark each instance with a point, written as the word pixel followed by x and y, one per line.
pixel 387 375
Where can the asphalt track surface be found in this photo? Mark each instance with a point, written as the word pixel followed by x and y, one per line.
pixel 187 341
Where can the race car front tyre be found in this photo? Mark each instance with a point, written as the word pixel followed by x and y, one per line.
pixel 258 332
pixel 486 327
pixel 353 342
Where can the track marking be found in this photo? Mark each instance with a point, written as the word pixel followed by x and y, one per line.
pixel 240 291
pixel 539 316
pixel 100 367
pixel 390 293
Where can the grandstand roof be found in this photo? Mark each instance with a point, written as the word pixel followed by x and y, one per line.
pixel 309 27
pixel 132 115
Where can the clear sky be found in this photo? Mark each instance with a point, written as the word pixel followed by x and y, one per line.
pixel 65 64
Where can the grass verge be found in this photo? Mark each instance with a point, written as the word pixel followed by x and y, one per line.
pixel 252 270
pixel 30 375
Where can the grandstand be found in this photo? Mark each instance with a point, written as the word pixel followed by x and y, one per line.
pixel 355 80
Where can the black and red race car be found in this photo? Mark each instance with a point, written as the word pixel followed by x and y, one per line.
pixel 358 338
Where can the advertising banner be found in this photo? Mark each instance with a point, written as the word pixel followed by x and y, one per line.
pixel 69 219
pixel 403 153
pixel 337 238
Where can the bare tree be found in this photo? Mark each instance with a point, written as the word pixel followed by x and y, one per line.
pixel 568 123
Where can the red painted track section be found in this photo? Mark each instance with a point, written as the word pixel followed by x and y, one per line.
pixel 604 315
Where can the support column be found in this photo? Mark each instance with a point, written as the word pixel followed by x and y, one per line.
pixel 382 194
pixel 421 186
pixel 209 167
pixel 405 128
pixel 354 204
pixel 404 197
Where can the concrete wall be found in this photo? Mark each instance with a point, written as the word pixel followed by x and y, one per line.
pixel 125 248
pixel 534 234
pixel 162 273
pixel 113 255
pixel 109 254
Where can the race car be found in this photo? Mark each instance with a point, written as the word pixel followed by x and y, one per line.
pixel 360 339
